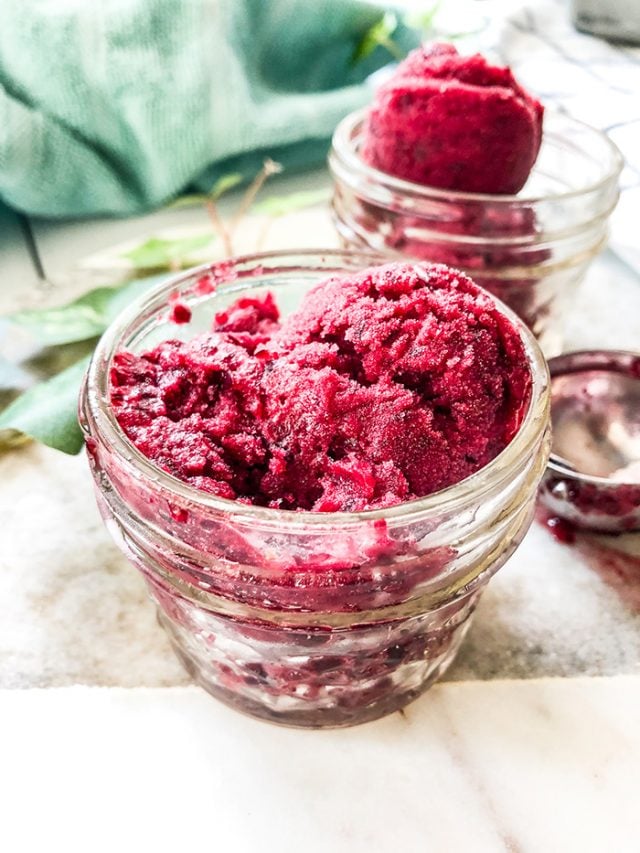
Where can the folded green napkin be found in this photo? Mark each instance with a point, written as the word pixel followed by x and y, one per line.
pixel 116 106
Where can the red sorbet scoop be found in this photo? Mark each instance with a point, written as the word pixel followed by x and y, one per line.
pixel 454 122
pixel 385 385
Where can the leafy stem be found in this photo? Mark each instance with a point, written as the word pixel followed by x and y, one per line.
pixel 219 226
pixel 46 411
pixel 269 168
pixel 223 185
pixel 380 33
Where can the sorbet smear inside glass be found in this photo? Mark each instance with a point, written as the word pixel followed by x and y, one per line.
pixel 319 476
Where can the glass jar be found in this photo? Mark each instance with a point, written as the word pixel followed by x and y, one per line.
pixel 303 618
pixel 529 250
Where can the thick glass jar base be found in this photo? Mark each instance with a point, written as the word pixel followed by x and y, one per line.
pixel 314 719
pixel 364 702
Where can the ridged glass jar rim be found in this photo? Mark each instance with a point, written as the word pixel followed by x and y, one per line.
pixel 233 276
pixel 348 166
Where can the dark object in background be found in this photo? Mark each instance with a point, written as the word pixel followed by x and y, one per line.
pixel 618 20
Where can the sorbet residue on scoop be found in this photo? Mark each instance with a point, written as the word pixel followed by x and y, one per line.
pixel 385 385
pixel 454 122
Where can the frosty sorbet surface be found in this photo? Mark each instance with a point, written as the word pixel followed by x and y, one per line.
pixel 454 122
pixel 385 385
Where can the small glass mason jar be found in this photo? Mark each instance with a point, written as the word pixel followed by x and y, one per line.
pixel 304 618
pixel 530 250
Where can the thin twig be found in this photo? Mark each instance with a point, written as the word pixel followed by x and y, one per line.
pixel 264 233
pixel 269 167
pixel 389 45
pixel 220 227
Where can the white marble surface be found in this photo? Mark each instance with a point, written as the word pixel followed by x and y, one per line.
pixel 544 766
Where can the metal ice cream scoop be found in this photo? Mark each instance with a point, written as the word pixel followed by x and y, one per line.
pixel 593 477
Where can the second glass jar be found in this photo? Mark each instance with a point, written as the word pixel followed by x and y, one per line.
pixel 529 250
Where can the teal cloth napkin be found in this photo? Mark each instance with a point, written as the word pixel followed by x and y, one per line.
pixel 116 106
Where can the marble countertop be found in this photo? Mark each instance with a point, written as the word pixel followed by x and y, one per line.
pixel 543 766
pixel 539 706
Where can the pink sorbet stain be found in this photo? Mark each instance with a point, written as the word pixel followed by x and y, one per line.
pixel 179 312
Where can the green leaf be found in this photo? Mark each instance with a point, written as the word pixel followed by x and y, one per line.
pixel 221 186
pixel 157 253
pixel 280 205
pixel 77 321
pixel 224 184
pixel 84 318
pixel 11 375
pixel 50 361
pixel 378 35
pixel 13 380
pixel 189 200
pixel 48 412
